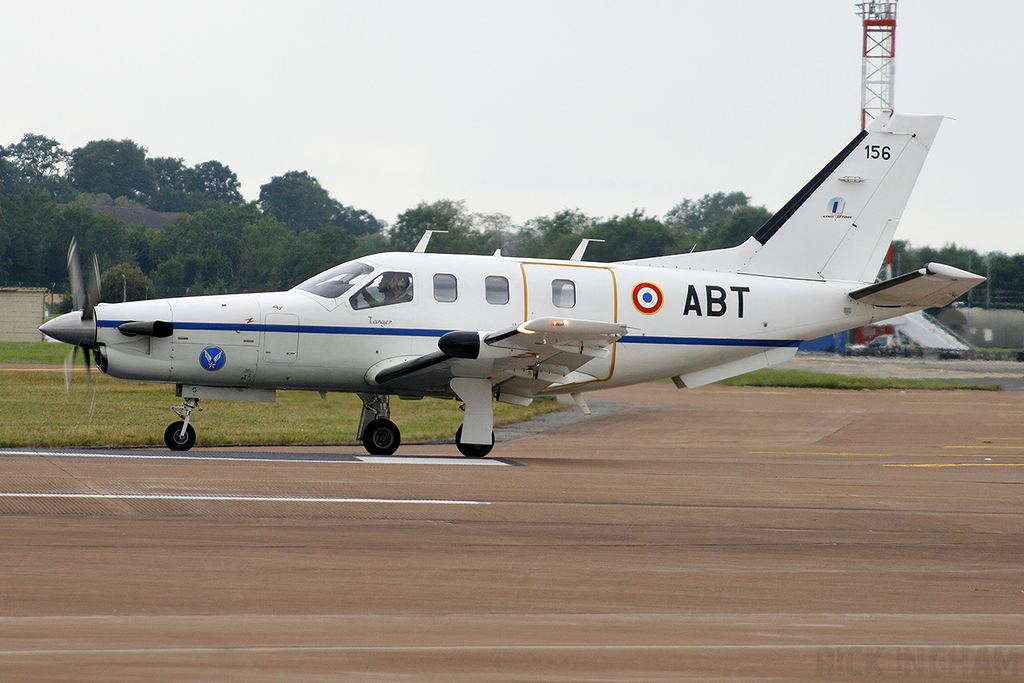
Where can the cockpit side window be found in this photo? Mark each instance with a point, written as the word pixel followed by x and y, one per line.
pixel 333 283
pixel 388 288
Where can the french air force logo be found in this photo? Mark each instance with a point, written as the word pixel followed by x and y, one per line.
pixel 212 358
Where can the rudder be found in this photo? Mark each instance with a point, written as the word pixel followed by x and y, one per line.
pixel 840 224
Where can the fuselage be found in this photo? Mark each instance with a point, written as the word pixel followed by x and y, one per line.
pixel 328 335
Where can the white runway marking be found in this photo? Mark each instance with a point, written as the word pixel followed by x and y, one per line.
pixel 245 499
pixel 256 456
pixel 413 460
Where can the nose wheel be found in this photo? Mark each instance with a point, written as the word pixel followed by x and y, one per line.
pixel 181 436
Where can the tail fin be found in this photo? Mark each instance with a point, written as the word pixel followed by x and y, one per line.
pixel 840 224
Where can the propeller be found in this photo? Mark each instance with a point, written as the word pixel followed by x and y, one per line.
pixel 78 328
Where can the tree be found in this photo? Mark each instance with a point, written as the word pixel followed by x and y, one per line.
pixel 694 218
pixel 443 215
pixel 211 183
pixel 630 237
pixel 204 186
pixel 170 194
pixel 36 160
pixel 554 237
pixel 734 229
pixel 37 156
pixel 114 167
pixel 26 229
pixel 207 245
pixel 11 180
pixel 125 282
pixel 298 200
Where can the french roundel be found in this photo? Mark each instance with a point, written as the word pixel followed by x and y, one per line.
pixel 647 298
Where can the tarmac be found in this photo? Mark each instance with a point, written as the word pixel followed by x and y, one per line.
pixel 713 534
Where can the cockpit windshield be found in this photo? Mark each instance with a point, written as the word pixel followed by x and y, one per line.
pixel 333 283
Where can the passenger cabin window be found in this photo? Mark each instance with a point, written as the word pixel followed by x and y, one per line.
pixel 563 293
pixel 333 283
pixel 496 288
pixel 385 289
pixel 446 287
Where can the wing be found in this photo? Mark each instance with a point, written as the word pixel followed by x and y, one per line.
pixel 523 360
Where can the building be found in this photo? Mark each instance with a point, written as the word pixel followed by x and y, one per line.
pixel 21 313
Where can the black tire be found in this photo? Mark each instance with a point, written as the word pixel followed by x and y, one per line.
pixel 381 437
pixel 172 437
pixel 472 450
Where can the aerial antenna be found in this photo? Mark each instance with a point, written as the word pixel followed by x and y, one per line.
pixel 421 246
pixel 878 66
pixel 578 254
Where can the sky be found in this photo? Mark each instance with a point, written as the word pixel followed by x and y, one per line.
pixel 526 108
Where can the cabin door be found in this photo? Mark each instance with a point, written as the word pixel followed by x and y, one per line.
pixel 583 292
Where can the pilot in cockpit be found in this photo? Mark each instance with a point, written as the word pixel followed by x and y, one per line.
pixel 387 288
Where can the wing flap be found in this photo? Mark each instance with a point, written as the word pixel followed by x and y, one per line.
pixel 933 285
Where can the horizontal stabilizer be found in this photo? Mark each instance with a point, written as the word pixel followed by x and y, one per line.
pixel 933 285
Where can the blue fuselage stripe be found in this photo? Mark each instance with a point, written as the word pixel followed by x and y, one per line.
pixel 414 332
pixel 710 341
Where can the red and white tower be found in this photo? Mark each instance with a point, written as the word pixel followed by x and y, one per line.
pixel 878 70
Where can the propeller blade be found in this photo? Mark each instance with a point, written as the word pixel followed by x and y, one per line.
pixel 88 381
pixel 75 276
pixel 69 367
pixel 93 293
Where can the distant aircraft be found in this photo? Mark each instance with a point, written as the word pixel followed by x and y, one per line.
pixel 485 328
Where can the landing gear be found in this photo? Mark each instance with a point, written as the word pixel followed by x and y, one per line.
pixel 478 422
pixel 472 450
pixel 380 436
pixel 180 436
pixel 176 440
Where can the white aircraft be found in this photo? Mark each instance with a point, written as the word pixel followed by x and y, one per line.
pixel 485 328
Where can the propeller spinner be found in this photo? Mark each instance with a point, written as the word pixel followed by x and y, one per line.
pixel 78 328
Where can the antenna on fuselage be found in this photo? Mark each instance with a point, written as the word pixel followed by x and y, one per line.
pixel 421 246
pixel 578 254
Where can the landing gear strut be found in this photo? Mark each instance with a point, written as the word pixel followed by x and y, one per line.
pixel 380 436
pixel 180 436
pixel 475 438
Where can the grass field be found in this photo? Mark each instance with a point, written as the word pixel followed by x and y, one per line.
pixel 35 410
pixel 800 379
pixel 40 353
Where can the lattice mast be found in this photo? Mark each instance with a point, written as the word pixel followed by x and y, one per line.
pixel 878 70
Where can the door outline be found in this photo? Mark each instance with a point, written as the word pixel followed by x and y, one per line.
pixel 556 271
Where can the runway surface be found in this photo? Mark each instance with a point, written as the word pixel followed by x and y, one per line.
pixel 710 534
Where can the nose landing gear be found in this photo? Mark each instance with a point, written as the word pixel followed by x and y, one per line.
pixel 180 436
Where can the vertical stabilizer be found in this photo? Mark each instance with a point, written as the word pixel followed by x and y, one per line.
pixel 840 224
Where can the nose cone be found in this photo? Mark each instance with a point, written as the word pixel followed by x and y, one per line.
pixel 71 329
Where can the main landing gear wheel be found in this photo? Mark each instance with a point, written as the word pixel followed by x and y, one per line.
pixel 472 450
pixel 381 437
pixel 174 439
